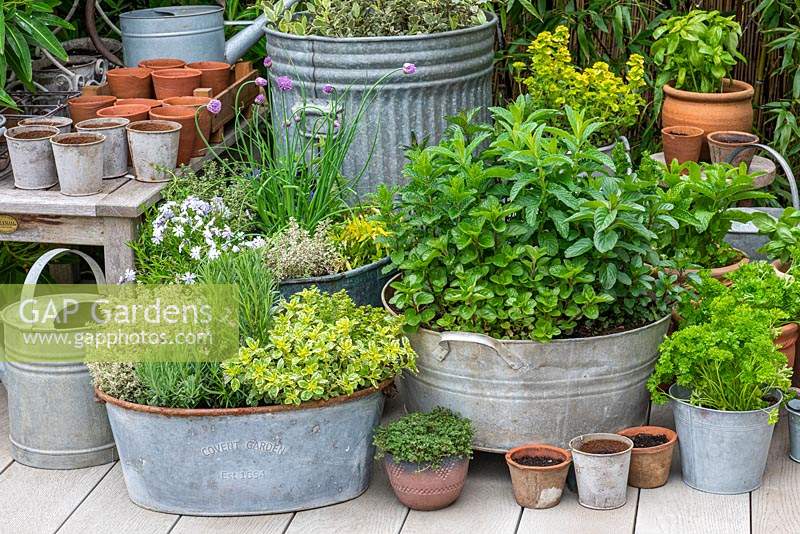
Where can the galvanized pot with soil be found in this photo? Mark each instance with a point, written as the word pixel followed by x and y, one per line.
pixel 246 461
pixel 528 392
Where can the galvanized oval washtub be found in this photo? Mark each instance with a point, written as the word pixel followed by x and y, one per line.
pixel 246 461
pixel 454 73
pixel 55 421
pixel 363 284
pixel 722 452
pixel 519 392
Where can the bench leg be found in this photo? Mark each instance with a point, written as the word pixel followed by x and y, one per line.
pixel 118 232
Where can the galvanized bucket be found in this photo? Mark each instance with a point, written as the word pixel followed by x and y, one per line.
pixel 55 421
pixel 793 410
pixel 721 452
pixel 245 461
pixel 602 478
pixel 528 392
pixel 363 284
pixel 454 73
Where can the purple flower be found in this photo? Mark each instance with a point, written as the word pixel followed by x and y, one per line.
pixel 409 68
pixel 327 89
pixel 284 83
pixel 260 99
pixel 261 82
pixel 214 107
pixel 268 62
pixel 336 124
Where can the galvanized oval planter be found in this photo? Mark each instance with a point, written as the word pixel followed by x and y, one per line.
pixel 529 392
pixel 245 461
pixel 364 284
pixel 454 73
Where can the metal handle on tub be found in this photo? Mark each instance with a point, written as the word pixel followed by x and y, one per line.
pixel 479 339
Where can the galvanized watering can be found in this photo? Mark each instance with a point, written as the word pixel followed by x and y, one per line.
pixel 54 420
pixel 190 33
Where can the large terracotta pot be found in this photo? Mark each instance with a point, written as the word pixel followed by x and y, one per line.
pixel 216 75
pixel 82 108
pixel 149 102
pixel 130 82
pixel 650 466
pixel 162 63
pixel 185 117
pixel 730 110
pixel 175 82
pixel 203 119
pixel 132 112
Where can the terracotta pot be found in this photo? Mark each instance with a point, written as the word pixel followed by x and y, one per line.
pixel 780 267
pixel 149 102
pixel 216 75
pixel 130 82
pixel 538 486
pixel 422 488
pixel 717 272
pixel 723 144
pixel 82 108
pixel 712 112
pixel 175 82
pixel 682 143
pixel 203 119
pixel 132 112
pixel 787 342
pixel 650 466
pixel 185 117
pixel 162 63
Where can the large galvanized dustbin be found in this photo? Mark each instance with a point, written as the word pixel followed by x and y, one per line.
pixel 454 73
pixel 518 392
pixel 54 419
pixel 244 461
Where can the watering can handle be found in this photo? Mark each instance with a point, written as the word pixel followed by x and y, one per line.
pixel 36 270
pixel 479 339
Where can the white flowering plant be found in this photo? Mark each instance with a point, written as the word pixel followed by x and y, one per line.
pixel 179 235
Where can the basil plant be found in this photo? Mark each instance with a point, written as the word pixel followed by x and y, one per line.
pixel 522 230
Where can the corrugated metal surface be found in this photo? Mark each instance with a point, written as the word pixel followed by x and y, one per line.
pixel 454 73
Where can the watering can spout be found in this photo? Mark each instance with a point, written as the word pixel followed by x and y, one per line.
pixel 238 45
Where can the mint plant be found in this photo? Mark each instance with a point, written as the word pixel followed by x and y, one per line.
pixel 529 238
pixel 783 234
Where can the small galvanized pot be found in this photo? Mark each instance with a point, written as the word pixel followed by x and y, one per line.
pixel 363 284
pixel 420 487
pixel 115 149
pixel 602 478
pixel 246 461
pixel 793 409
pixel 79 160
pixel 154 149
pixel 538 487
pixel 64 124
pixel 32 156
pixel 650 466
pixel 722 452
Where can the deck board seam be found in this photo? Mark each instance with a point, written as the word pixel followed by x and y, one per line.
pixel 403 524
pixel 174 524
pixel 519 519
pixel 289 523
pixel 80 503
pixel 4 469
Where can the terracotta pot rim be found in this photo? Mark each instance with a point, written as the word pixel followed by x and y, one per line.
pixel 141 102
pixel 170 74
pixel 718 272
pixel 712 138
pixel 788 330
pixel 186 112
pixel 160 62
pixel 563 453
pixel 651 430
pixel 200 101
pixel 697 132
pixel 741 91
pixel 88 100
pixel 131 72
pixel 209 65
pixel 130 108
pixel 248 410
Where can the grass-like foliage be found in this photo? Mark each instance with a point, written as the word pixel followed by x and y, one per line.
pixel 426 438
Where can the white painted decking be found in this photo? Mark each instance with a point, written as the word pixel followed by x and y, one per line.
pixel 94 500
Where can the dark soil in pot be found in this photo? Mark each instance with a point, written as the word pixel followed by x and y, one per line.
pixel 538 461
pixel 645 441
pixel 651 457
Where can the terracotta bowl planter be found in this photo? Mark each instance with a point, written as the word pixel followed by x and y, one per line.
pixel 185 117
pixel 723 144
pixel 130 82
pixel 82 108
pixel 175 82
pixel 422 488
pixel 203 119
pixel 682 143
pixel 162 63
pixel 536 484
pixel 216 75
pixel 650 465
pixel 149 102
pixel 787 342
pixel 712 112
pixel 132 112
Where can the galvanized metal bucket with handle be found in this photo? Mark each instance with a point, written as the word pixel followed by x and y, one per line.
pixel 54 420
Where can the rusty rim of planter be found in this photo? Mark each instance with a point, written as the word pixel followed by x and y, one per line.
pixel 738 91
pixel 249 410
pixel 747 138
pixel 672 437
pixel 543 450
pixel 683 132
